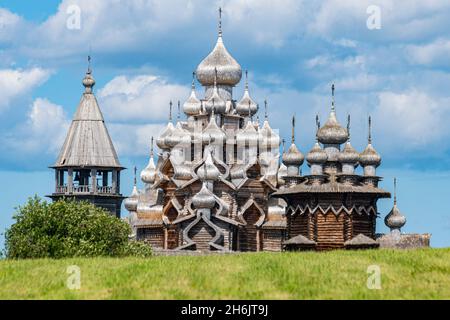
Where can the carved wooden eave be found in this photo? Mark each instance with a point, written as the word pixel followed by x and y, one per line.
pixel 292 210
pixel 251 202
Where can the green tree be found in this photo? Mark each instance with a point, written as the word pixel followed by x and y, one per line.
pixel 68 228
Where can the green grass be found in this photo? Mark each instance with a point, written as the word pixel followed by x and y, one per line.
pixel 409 274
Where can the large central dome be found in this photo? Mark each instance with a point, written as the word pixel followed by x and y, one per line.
pixel 229 71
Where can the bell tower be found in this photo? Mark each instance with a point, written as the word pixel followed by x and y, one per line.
pixel 88 167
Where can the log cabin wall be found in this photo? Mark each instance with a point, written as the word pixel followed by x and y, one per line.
pixel 152 236
pixel 330 231
pixel 273 239
pixel 249 235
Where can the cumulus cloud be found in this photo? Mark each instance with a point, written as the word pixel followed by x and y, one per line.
pixel 43 131
pixel 436 53
pixel 412 120
pixel 17 82
pixel 140 98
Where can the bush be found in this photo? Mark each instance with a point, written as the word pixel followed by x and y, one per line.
pixel 68 229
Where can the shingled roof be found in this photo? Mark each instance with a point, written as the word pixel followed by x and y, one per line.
pixel 88 143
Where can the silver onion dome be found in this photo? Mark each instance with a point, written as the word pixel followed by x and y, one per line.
pixel 349 154
pixel 216 102
pixel 208 170
pixel 248 135
pixel 131 202
pixel 293 157
pixel 246 105
pixel 370 157
pixel 192 106
pixel 179 136
pixel 395 220
pixel 212 132
pixel 148 175
pixel 160 141
pixel 267 137
pixel 332 132
pixel 282 172
pixel 316 155
pixel 204 199
pixel 229 71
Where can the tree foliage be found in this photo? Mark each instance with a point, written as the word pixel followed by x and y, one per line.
pixel 68 228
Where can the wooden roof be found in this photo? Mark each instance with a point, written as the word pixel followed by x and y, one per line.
pixel 332 187
pixel 88 143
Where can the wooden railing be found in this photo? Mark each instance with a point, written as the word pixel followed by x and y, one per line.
pixel 84 189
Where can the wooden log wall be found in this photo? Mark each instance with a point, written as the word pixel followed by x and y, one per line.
pixel 362 224
pixel 272 240
pixel 152 236
pixel 202 234
pixel 248 234
pixel 330 231
pixel 298 224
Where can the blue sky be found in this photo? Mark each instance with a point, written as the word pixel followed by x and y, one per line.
pixel 145 51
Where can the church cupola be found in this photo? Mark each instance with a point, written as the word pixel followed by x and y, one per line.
pixel 131 202
pixel 395 220
pixel 369 158
pixel 246 106
pixel 332 134
pixel 316 157
pixel 215 101
pixel 229 72
pixel 192 106
pixel 161 141
pixel 148 175
pixel 293 158
pixel 349 156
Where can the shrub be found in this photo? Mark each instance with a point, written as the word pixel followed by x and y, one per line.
pixel 67 228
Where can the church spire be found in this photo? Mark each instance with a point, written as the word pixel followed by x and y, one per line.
pixel 369 136
pixel 265 110
pixel 332 99
pixel 220 22
pixel 293 130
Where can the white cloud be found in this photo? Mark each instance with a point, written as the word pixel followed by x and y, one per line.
pixel 141 98
pixel 43 131
pixel 413 120
pixel 16 83
pixel 436 53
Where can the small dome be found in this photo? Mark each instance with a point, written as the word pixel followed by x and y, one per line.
pixel 192 106
pixel 229 72
pixel 267 137
pixel 216 103
pixel 246 106
pixel 208 170
pixel 148 175
pixel 88 81
pixel 161 140
pixel 293 157
pixel 395 219
pixel 131 202
pixel 204 199
pixel 332 132
pixel 369 157
pixel 248 135
pixel 349 154
pixel 316 155
pixel 179 136
pixel 212 132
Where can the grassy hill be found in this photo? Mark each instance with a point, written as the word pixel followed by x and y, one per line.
pixel 413 274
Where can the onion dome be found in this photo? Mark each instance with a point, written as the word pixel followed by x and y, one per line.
pixel 248 135
pixel 246 105
pixel 88 80
pixel 216 102
pixel 160 141
pixel 208 170
pixel 179 135
pixel 316 155
pixel 192 106
pixel 204 199
pixel 131 202
pixel 293 157
pixel 213 133
pixel 282 172
pixel 332 132
pixel 370 157
pixel 267 137
pixel 148 175
pixel 395 220
pixel 349 154
pixel 229 72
